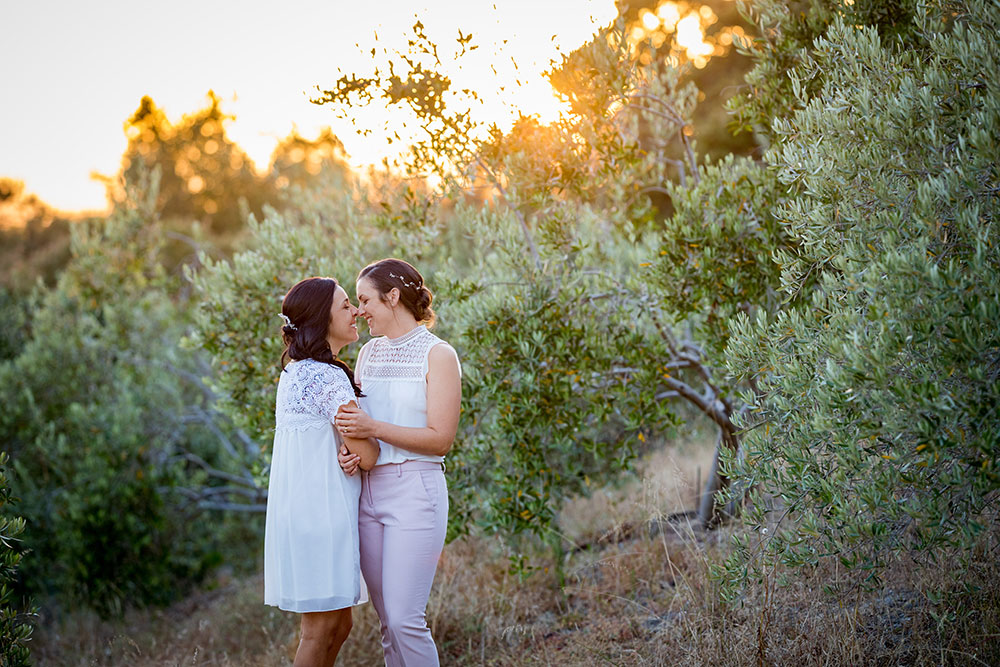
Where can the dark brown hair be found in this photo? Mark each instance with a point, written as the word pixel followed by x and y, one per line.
pixel 307 306
pixel 413 294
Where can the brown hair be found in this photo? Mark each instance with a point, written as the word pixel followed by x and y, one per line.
pixel 413 294
pixel 307 307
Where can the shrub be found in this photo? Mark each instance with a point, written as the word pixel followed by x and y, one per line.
pixel 875 428
pixel 15 619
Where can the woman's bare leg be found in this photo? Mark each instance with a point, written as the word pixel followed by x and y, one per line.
pixel 322 635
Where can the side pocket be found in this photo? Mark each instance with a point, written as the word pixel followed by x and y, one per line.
pixel 431 488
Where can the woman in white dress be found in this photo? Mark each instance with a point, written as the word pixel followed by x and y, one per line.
pixel 311 552
pixel 412 396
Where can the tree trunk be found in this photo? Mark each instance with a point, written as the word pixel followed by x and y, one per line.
pixel 710 512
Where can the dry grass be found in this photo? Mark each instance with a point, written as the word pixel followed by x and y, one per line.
pixel 631 597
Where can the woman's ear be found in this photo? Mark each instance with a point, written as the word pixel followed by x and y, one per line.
pixel 393 296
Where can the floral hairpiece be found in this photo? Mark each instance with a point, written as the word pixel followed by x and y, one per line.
pixel 288 321
pixel 404 281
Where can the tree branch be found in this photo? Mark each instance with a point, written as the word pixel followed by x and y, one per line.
pixel 520 216
pixel 246 481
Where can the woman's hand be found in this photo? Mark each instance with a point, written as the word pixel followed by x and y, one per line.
pixel 349 463
pixel 353 422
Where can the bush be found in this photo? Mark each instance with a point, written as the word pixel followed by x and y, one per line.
pixel 875 428
pixel 95 419
pixel 15 619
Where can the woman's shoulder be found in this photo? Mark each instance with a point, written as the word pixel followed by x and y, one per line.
pixel 442 348
pixel 443 356
pixel 318 370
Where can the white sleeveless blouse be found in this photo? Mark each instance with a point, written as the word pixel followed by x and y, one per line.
pixel 392 373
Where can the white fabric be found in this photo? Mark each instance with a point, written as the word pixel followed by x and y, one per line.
pixel 393 377
pixel 311 557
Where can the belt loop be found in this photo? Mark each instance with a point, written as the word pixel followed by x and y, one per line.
pixel 399 470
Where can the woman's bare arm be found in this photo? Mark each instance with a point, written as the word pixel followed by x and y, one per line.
pixel 365 448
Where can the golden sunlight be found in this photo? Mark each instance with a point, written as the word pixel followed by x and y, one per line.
pixel 268 90
pixel 691 37
pixel 681 27
pixel 506 70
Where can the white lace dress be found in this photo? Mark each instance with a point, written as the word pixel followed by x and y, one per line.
pixel 311 560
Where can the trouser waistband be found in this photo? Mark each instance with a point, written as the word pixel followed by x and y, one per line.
pixel 406 466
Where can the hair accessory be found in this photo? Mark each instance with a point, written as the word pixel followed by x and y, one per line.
pixel 288 321
pixel 404 281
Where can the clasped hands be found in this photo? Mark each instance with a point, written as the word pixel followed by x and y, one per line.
pixel 352 422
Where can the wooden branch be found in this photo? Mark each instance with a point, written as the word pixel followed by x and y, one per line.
pixel 529 239
pixel 252 449
pixel 691 159
pixel 672 119
pixel 202 416
pixel 246 481
pixel 703 372
pixel 664 333
pixel 676 118
pixel 671 113
pixel 233 507
pixel 207 492
pixel 680 170
pixel 688 393
pixel 657 188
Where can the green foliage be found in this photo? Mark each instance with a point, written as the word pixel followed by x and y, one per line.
pixel 93 405
pixel 785 31
pixel 552 404
pixel 13 311
pixel 849 282
pixel 876 428
pixel 15 619
pixel 715 258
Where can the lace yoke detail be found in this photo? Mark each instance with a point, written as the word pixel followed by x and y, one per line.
pixel 404 358
pixel 309 394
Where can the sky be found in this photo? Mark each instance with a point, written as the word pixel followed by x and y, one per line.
pixel 76 71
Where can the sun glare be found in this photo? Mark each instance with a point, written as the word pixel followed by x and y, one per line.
pixel 683 27
pixel 506 70
pixel 267 90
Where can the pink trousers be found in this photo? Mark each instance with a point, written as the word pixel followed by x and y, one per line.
pixel 402 520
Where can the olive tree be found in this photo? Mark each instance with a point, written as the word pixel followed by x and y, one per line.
pixel 874 429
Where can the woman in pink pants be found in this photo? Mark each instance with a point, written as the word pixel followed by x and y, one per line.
pixel 412 387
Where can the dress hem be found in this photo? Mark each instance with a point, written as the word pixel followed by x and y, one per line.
pixel 313 606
